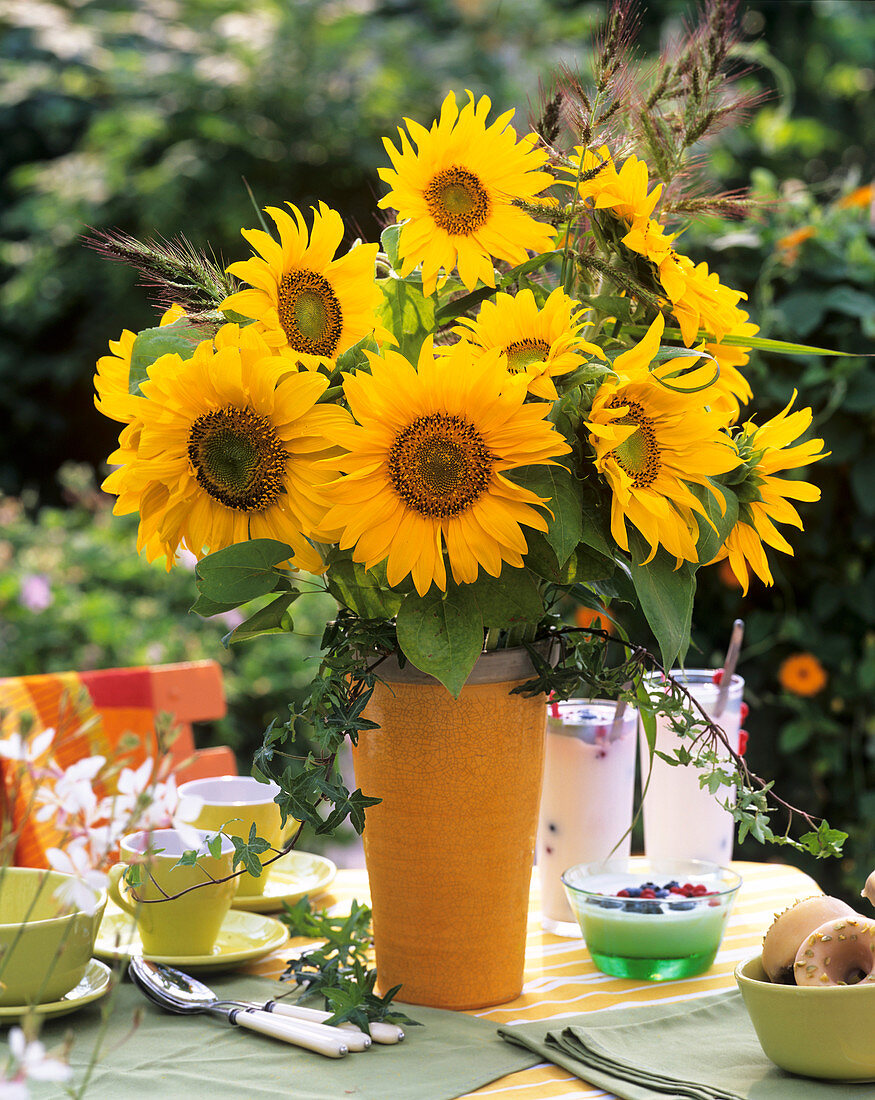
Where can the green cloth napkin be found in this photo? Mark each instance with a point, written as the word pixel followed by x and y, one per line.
pixel 173 1057
pixel 704 1049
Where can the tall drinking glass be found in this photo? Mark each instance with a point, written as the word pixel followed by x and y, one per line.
pixel 586 801
pixel 681 819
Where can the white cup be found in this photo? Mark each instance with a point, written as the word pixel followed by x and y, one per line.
pixel 681 819
pixel 586 799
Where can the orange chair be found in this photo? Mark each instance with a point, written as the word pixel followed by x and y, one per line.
pixel 111 712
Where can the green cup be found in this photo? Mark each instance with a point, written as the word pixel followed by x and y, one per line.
pixel 169 925
pixel 44 946
pixel 233 804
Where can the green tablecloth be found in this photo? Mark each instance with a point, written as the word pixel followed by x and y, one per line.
pixel 150 1053
pixel 703 1049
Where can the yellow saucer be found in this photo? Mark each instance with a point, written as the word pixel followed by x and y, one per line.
pixel 290 878
pixel 95 983
pixel 242 937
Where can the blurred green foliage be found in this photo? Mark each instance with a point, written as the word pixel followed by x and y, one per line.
pixel 146 115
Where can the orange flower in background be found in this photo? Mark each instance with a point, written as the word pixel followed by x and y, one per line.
pixel 788 247
pixel 802 674
pixel 863 197
pixel 589 617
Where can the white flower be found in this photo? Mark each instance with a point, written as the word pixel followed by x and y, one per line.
pixel 82 890
pixel 131 791
pixel 28 751
pixel 72 794
pixel 31 1063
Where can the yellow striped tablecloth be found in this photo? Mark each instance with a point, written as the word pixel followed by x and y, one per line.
pixel 561 980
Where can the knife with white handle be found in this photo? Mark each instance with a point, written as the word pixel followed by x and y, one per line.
pixel 328 1041
pixel 380 1032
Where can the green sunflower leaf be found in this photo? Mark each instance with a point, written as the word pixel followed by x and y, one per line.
pixel 407 313
pixel 565 501
pixel 364 591
pixel 666 597
pixel 442 634
pixel 389 239
pixel 272 619
pixel 180 338
pixel 242 572
pixel 712 538
pixel 513 599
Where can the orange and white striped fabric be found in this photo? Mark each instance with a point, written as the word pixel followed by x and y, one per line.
pixel 561 980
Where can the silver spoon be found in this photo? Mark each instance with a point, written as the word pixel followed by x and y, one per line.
pixel 180 993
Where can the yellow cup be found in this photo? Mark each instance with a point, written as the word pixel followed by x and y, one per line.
pixel 187 925
pixel 45 946
pixel 232 804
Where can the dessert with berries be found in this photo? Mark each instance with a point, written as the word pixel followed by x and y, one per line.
pixel 665 923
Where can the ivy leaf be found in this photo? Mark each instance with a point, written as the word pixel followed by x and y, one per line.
pixel 246 852
pixel 666 596
pixel 272 619
pixel 441 634
pixel 180 338
pixel 242 572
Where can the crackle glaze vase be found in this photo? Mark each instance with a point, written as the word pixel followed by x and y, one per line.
pixel 450 848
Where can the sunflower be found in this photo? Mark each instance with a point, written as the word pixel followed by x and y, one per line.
pixel 651 443
pixel 802 674
pixel 427 463
pixel 307 302
pixel 594 177
pixel 230 445
pixel 537 343
pixel 456 194
pixel 765 499
pixel 733 387
pixel 112 380
pixel 699 300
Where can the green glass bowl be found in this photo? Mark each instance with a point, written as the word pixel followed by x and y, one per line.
pixel 814 1031
pixel 44 949
pixel 664 940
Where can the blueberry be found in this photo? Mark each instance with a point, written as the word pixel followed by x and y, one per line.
pixel 647 907
pixel 662 893
pixel 673 885
pixel 634 891
pixel 682 905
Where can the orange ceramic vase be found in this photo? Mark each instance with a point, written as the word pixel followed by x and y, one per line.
pixel 449 850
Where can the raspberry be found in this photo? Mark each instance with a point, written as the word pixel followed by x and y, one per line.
pixel 622 893
pixel 687 889
pixel 647 893
pixel 699 890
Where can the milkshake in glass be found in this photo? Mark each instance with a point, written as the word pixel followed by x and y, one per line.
pixel 681 820
pixel 586 801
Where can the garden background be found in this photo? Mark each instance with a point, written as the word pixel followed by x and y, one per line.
pixel 148 116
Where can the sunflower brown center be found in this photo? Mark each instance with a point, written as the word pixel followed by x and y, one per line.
pixel 639 454
pixel 237 458
pixel 439 465
pixel 309 313
pixel 457 201
pixel 522 353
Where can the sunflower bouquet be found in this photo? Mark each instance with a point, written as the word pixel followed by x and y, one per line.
pixel 523 400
